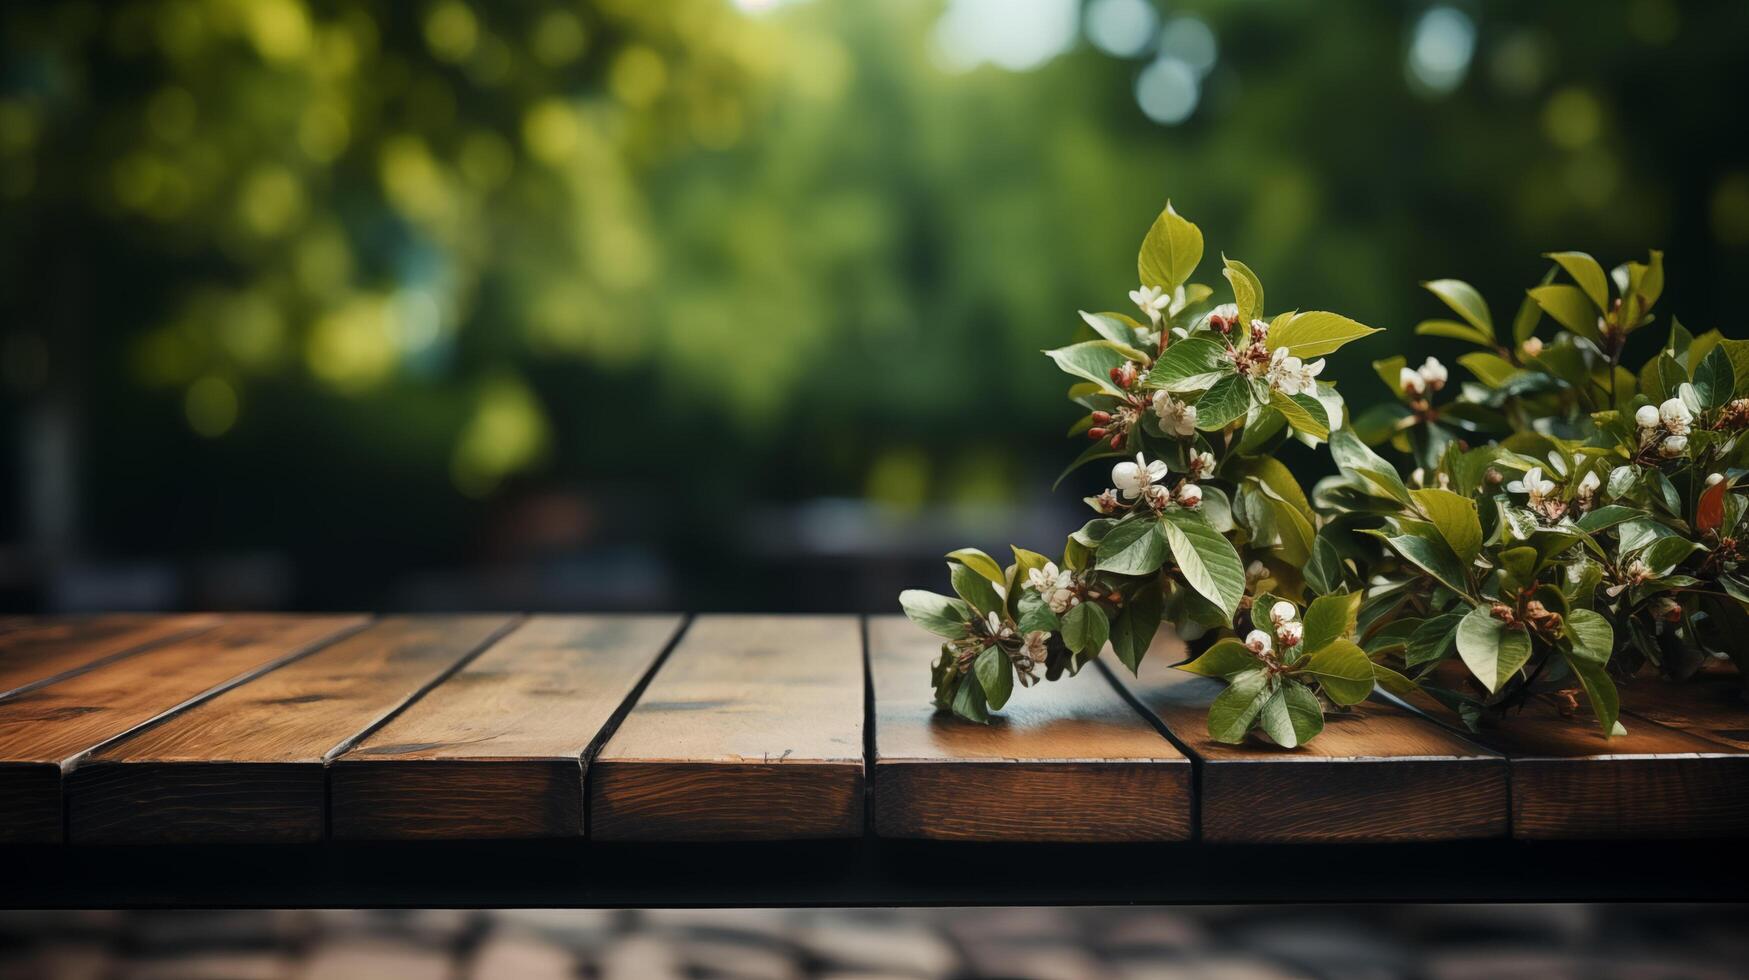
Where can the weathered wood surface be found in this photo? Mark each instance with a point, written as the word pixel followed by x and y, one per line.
pixel 38 652
pixel 1569 781
pixel 46 729
pixel 500 748
pixel 752 729
pixel 1076 762
pixel 249 763
pixel 1712 705
pixel 1376 773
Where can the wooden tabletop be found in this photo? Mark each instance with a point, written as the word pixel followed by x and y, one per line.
pixel 197 729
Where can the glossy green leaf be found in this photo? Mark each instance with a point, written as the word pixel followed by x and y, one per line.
pixel 1134 547
pixel 1224 403
pixel 1191 364
pixel 1570 307
pixel 1587 273
pixel 1601 692
pixel 1170 252
pixel 1086 628
pixel 1291 715
pixel 969 702
pixel 1715 380
pixel 1355 459
pixel 938 614
pixel 1247 289
pixel 1329 618
pixel 1432 639
pixel 1091 360
pixel 1225 659
pixel 1115 327
pixel 1464 301
pixel 1132 632
pixel 1489 368
pixel 1455 331
pixel 1234 709
pixel 1592 637
pixel 979 562
pixel 1206 559
pixel 1316 333
pixel 1454 516
pixel 1343 670
pixel 995 676
pixel 978 591
pixel 1492 652
pixel 1421 543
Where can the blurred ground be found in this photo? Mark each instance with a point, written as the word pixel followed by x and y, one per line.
pixel 1435 942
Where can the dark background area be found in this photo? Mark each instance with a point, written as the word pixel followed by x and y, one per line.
pixel 735 305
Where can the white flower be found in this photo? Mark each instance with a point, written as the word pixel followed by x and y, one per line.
pixel 1433 374
pixel 1673 446
pixel 1189 495
pixel 1283 612
pixel 1157 496
pixel 1255 572
pixel 1533 486
pixel 1714 479
pixel 1176 418
pixel 997 628
pixel 1290 634
pixel 1532 347
pixel 1151 300
pixel 1202 464
pixel 1589 485
pixel 1291 375
pixel 1410 381
pixel 1035 648
pixel 1061 600
pixel 1044 580
pixel 1676 416
pixel 1258 642
pixel 1132 478
pixel 1647 417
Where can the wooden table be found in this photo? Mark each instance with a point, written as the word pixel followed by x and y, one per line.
pixel 230 730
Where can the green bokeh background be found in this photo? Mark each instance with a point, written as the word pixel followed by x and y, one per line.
pixel 682 304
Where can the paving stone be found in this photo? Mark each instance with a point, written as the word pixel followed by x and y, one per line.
pixel 511 956
pixel 987 926
pixel 640 957
pixel 223 965
pixel 351 958
pixel 1149 930
pixel 1035 961
pixel 740 960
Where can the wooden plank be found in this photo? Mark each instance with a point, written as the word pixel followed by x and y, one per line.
pixel 248 764
pixel 751 730
pixel 44 730
pixel 1376 773
pixel 1569 781
pixel 499 749
pixel 42 651
pixel 1711 705
pixel 938 777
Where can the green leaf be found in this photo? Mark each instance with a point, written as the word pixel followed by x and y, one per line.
pixel 1170 252
pixel 1587 273
pixel 1493 652
pixel 1206 559
pixel 1291 715
pixel 969 702
pixel 1225 659
pixel 1316 333
pixel 1035 615
pixel 1085 628
pixel 1455 518
pixel 1234 709
pixel 1592 637
pixel 995 676
pixel 1489 368
pixel 1191 364
pixel 1099 450
pixel 1115 327
pixel 1601 692
pixel 1454 330
pixel 1715 380
pixel 1328 618
pixel 1355 459
pixel 1324 571
pixel 1421 543
pixel 1227 400
pixel 981 563
pixel 938 614
pixel 1569 307
pixel 1091 360
pixel 1247 289
pixel 1738 352
pixel 1133 630
pixel 1432 639
pixel 1302 418
pixel 1464 301
pixel 1529 314
pixel 1604 518
pixel 1134 547
pixel 978 591
pixel 1344 671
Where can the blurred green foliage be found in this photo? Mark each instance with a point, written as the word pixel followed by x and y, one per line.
pixel 386 257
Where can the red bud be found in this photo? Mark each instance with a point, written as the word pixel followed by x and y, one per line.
pixel 1102 417
pixel 1096 433
pixel 1117 441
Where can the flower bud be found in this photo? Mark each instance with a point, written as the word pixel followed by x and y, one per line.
pixel 1283 612
pixel 1673 446
pixel 1258 642
pixel 1189 495
pixel 1714 479
pixel 1102 417
pixel 1096 433
pixel 1117 441
pixel 1647 417
pixel 1290 634
pixel 1532 347
pixel 1410 381
pixel 1493 477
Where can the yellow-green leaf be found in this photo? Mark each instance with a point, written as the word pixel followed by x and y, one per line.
pixel 1170 252
pixel 1569 307
pixel 1587 273
pixel 1316 333
pixel 1464 301
pixel 1454 516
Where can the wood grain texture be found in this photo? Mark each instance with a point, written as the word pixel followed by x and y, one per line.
pixel 1712 705
pixel 1376 773
pixel 1569 781
pixel 1071 761
pixel 248 764
pixel 44 730
pixel 499 749
pixel 41 651
pixel 752 729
